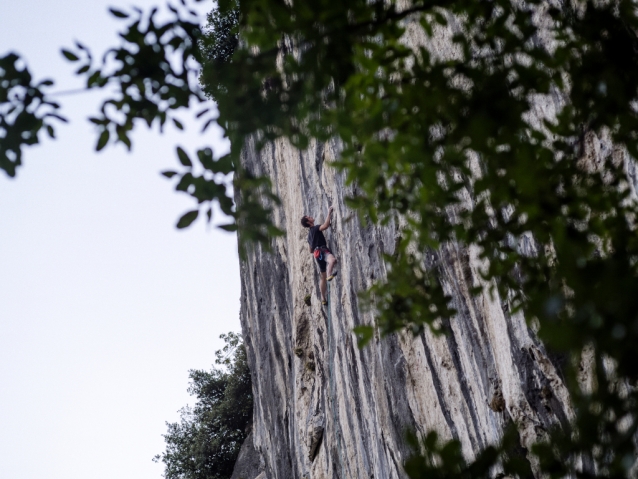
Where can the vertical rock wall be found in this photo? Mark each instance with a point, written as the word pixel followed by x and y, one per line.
pixel 326 409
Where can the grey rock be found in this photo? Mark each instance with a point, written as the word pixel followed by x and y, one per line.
pixel 249 463
pixel 305 364
pixel 315 435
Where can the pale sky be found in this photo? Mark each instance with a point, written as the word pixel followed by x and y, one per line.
pixel 104 305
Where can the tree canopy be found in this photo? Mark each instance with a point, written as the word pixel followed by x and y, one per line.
pixel 206 441
pixel 444 143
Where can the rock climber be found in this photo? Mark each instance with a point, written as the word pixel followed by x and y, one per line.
pixel 319 249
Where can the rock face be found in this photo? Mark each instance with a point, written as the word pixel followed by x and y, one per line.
pixel 248 461
pixel 326 409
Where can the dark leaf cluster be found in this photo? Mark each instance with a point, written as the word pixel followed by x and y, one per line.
pixel 444 460
pixel 151 74
pixel 221 34
pixel 24 111
pixel 206 442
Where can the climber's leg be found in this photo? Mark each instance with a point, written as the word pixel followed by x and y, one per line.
pixel 323 286
pixel 322 281
pixel 332 261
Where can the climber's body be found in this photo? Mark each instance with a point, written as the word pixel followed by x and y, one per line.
pixel 319 247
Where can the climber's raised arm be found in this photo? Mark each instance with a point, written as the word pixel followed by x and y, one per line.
pixel 326 223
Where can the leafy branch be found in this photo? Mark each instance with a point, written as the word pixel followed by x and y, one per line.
pixel 25 110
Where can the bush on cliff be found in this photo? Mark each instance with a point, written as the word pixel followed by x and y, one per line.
pixel 206 441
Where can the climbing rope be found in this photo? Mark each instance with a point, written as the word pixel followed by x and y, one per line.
pixel 333 394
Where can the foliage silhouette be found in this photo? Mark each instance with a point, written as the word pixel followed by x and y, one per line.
pixel 206 442
pixel 24 111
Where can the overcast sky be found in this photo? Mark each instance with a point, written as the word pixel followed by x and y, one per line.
pixel 104 305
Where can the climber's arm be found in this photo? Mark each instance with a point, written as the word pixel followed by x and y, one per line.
pixel 326 223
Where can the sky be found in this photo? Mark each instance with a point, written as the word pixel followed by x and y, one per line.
pixel 104 304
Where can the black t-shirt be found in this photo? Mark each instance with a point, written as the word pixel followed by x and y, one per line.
pixel 316 237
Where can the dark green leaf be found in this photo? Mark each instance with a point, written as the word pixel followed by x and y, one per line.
pixel 102 140
pixel 118 13
pixel 183 157
pixel 69 55
pixel 187 219
pixel 229 227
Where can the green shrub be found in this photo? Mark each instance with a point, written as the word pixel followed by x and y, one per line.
pixel 206 442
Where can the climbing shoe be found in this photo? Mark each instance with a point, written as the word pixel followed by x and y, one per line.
pixel 324 302
pixel 331 277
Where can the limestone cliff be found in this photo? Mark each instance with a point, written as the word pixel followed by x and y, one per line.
pixel 326 409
